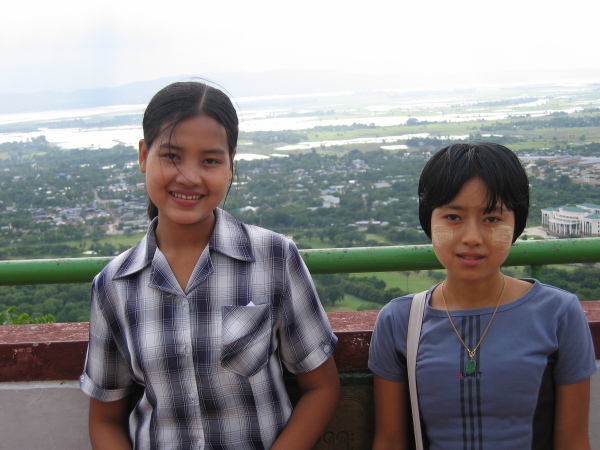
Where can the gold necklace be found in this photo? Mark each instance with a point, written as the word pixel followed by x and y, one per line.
pixel 471 364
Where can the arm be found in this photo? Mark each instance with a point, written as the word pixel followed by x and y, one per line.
pixel 571 416
pixel 108 425
pixel 391 419
pixel 318 403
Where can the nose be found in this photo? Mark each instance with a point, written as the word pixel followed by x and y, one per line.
pixel 189 175
pixel 472 233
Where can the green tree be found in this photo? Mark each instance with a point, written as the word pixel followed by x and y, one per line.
pixel 331 294
pixel 11 316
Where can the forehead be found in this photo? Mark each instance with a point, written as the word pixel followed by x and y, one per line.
pixel 200 128
pixel 475 194
pixel 473 190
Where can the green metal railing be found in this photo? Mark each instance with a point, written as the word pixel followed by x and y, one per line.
pixel 341 260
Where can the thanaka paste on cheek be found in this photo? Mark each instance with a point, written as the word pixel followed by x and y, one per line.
pixel 441 235
pixel 502 238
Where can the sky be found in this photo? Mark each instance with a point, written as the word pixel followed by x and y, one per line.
pixel 66 45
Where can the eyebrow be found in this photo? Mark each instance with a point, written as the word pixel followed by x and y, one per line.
pixel 214 151
pixel 498 207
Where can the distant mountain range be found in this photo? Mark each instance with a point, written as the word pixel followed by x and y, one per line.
pixel 276 83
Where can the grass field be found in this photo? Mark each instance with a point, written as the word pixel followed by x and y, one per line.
pixel 352 303
pixel 412 281
pixel 116 240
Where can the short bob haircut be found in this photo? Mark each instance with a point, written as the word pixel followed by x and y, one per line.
pixel 498 167
pixel 183 100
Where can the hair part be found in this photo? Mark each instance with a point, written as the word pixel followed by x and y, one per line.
pixel 183 100
pixel 496 166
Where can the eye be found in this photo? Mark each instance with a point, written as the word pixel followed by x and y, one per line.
pixel 170 156
pixel 212 161
pixel 492 219
pixel 451 217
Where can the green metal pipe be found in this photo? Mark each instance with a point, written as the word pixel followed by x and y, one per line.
pixel 422 257
pixel 50 271
pixel 370 259
pixel 555 251
pixel 343 260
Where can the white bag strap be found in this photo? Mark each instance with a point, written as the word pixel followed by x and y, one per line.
pixel 412 344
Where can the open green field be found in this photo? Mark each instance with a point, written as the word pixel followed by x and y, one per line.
pixel 116 240
pixel 352 303
pixel 411 281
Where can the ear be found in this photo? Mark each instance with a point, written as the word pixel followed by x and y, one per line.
pixel 142 155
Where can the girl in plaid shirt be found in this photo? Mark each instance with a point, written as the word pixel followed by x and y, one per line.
pixel 203 311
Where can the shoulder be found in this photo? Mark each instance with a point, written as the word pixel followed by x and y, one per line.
pixel 552 306
pixel 236 238
pixel 257 234
pixel 552 290
pixel 261 235
pixel 551 296
pixel 124 264
pixel 395 311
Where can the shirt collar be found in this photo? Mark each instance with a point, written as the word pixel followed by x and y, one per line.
pixel 229 237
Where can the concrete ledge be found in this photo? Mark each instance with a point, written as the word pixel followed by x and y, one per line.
pixel 52 415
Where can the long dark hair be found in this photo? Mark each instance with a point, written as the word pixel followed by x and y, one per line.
pixel 183 100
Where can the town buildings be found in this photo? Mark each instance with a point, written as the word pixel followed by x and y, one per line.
pixel 580 220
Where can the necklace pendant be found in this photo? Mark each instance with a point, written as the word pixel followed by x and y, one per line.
pixel 470 367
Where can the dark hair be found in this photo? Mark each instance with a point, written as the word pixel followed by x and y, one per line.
pixel 498 167
pixel 183 100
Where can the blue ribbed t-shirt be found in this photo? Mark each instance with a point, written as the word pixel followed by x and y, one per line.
pixel 534 342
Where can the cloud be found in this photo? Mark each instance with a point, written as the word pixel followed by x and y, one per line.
pixel 66 45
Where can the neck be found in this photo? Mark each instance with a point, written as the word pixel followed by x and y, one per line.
pixel 185 238
pixel 471 295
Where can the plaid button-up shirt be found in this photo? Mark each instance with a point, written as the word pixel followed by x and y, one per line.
pixel 209 358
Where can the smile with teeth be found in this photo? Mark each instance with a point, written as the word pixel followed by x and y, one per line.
pixel 186 197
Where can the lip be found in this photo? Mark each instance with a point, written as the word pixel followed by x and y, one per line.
pixel 470 258
pixel 186 198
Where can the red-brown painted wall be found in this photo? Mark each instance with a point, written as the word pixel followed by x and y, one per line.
pixel 57 351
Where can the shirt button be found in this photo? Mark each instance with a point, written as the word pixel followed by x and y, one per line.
pixel 326 348
pixel 188 349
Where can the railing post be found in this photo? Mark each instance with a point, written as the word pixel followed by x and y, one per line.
pixel 536 272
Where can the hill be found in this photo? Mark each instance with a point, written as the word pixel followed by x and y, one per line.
pixel 281 82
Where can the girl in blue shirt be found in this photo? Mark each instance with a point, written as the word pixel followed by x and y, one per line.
pixel 502 363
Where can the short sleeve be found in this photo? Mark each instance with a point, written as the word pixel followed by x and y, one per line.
pixel 576 357
pixel 387 352
pixel 307 340
pixel 106 375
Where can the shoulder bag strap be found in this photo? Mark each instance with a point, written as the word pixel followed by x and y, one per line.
pixel 412 344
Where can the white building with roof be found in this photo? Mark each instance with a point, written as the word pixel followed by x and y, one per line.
pixel 581 220
pixel 329 201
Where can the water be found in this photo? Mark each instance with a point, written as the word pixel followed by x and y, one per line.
pixel 297 113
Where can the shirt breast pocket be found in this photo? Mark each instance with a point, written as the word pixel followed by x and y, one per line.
pixel 246 338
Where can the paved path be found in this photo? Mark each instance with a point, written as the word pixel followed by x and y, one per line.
pixel 538 231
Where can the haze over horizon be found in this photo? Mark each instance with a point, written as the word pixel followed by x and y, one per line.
pixel 67 46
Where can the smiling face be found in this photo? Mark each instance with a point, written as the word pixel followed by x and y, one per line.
pixel 470 243
pixel 187 173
